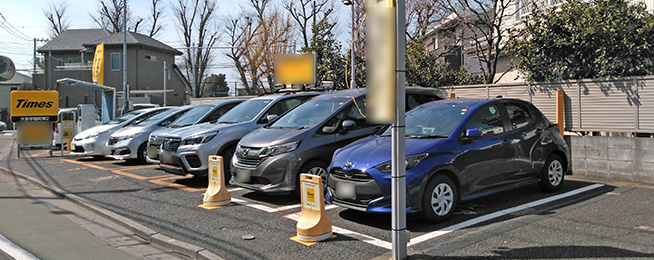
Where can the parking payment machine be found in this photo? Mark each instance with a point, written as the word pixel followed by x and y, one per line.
pixel 68 128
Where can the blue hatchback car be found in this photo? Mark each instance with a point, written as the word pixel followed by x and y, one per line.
pixel 456 150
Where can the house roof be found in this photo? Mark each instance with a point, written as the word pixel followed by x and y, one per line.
pixel 133 39
pixel 73 40
pixel 17 80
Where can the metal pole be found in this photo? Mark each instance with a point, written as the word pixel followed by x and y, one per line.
pixel 34 71
pixel 352 82
pixel 398 186
pixel 193 67
pixel 125 91
pixel 49 85
pixel 164 84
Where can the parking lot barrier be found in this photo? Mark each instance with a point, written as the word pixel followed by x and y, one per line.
pixel 216 194
pixel 313 224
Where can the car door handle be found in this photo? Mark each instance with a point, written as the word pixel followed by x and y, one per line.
pixel 506 142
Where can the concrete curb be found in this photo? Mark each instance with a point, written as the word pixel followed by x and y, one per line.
pixel 152 236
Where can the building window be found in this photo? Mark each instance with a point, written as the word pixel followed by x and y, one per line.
pixel 150 57
pixel 115 61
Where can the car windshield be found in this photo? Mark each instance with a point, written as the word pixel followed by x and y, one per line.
pixel 436 121
pixel 245 111
pixel 191 116
pixel 124 118
pixel 156 118
pixel 310 113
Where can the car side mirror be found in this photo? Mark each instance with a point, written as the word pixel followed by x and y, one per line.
pixel 270 118
pixel 473 133
pixel 349 125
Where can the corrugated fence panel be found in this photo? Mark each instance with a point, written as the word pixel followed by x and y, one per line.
pixel 646 109
pixel 544 98
pixel 608 106
pixel 476 91
pixel 511 91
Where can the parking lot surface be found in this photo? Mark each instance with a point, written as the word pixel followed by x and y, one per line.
pixel 582 219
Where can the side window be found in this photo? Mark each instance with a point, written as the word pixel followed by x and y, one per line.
pixel 412 101
pixel 518 114
pixel 357 112
pixel 488 120
pixel 216 114
pixel 281 107
pixel 171 119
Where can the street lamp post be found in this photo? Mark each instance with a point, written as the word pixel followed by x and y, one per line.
pixel 352 82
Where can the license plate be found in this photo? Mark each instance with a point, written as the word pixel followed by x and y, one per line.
pixel 243 175
pixel 345 190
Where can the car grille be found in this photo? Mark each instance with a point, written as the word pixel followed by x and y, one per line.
pixel 354 175
pixel 170 144
pixel 113 140
pixel 79 149
pixel 245 162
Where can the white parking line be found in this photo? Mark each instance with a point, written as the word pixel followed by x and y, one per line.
pixel 358 236
pixel 474 221
pixel 14 251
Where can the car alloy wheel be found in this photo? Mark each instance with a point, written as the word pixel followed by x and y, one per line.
pixel 555 173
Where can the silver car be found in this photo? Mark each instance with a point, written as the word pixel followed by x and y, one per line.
pixel 93 141
pixel 3 126
pixel 203 113
pixel 270 159
pixel 130 142
pixel 187 150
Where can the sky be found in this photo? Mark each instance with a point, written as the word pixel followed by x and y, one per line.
pixel 24 20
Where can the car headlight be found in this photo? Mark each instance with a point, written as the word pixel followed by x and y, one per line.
pixel 279 149
pixel 411 161
pixel 199 138
pixel 94 135
pixel 128 137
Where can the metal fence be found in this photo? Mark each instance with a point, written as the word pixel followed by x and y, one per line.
pixel 624 105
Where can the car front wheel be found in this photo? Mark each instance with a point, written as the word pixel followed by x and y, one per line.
pixel 439 199
pixel 552 174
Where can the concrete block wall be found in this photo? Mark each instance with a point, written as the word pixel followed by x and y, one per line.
pixel 615 158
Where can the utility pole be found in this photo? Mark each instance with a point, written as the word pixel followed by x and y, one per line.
pixel 164 83
pixel 193 68
pixel 125 90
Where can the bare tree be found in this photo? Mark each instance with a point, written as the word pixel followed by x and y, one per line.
pixel 485 24
pixel 256 36
pixel 306 13
pixel 239 34
pixel 56 16
pixel 110 16
pixel 155 19
pixel 196 25
pixel 421 16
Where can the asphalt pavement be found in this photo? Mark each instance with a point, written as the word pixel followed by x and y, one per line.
pixel 587 219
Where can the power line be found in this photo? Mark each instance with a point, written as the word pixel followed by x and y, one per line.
pixel 12 30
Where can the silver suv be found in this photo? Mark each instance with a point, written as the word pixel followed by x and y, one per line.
pixel 303 140
pixel 203 113
pixel 188 149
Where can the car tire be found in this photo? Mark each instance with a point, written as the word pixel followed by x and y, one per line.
pixel 141 153
pixel 227 155
pixel 313 167
pixel 552 174
pixel 439 199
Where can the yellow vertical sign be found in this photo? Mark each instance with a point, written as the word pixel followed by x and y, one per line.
pixel 98 64
pixel 380 61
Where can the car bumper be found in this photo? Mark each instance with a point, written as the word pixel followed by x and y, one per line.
pixel 124 150
pixel 153 153
pixel 190 161
pixel 92 146
pixel 273 174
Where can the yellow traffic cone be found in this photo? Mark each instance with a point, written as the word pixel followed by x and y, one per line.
pixel 313 224
pixel 216 194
